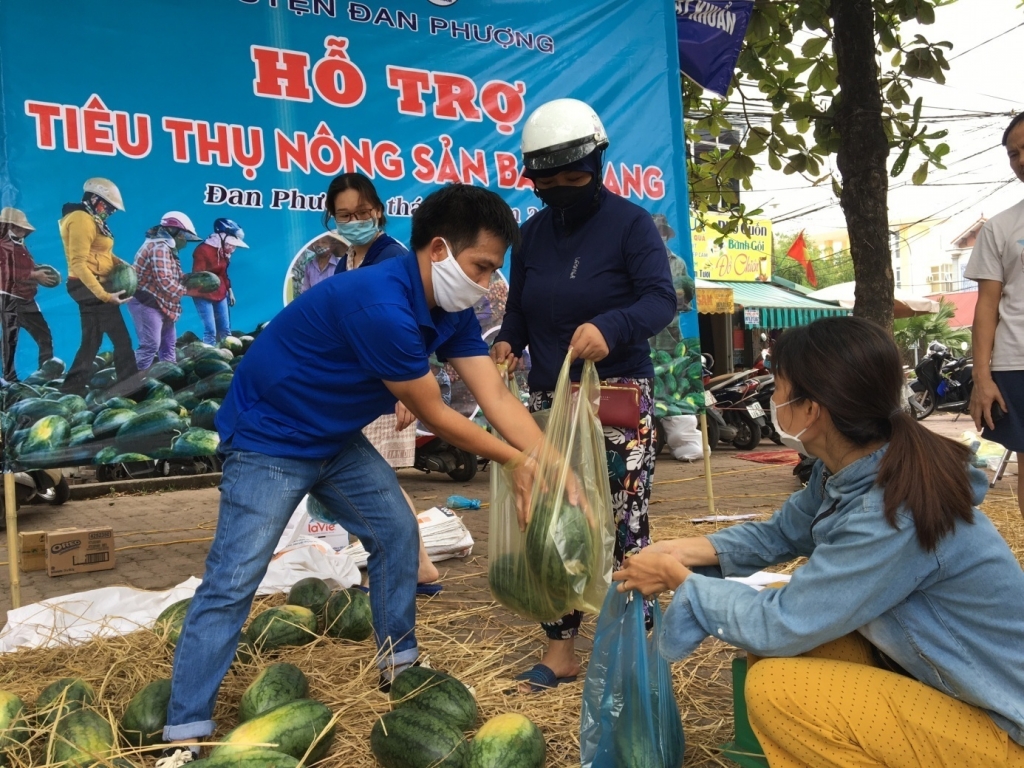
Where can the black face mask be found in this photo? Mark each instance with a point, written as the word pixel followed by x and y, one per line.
pixel 573 204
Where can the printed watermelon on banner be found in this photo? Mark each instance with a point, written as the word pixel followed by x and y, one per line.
pixel 122 278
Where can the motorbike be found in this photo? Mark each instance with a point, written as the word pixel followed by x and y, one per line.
pixel 943 383
pixel 435 455
pixel 740 409
pixel 765 390
pixel 136 470
pixel 46 485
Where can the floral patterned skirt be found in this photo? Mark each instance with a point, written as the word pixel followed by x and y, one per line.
pixel 630 472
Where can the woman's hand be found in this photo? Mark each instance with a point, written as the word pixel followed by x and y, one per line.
pixel 44 278
pixel 650 573
pixel 502 353
pixel 231 297
pixel 691 551
pixel 118 298
pixel 588 343
pixel 404 415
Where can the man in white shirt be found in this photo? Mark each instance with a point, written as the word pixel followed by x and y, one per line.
pixel 997 264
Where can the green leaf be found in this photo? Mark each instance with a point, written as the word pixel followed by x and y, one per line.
pixel 814 79
pixel 920 175
pixel 814 46
pixel 925 13
pixel 837 188
pixel 901 162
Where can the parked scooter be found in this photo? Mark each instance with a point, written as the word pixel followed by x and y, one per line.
pixel 46 485
pixel 740 409
pixel 435 455
pixel 765 390
pixel 943 383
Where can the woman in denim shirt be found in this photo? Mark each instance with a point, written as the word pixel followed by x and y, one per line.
pixel 900 642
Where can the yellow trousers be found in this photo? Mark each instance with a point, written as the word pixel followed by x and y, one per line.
pixel 834 708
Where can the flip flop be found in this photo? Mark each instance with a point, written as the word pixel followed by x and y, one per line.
pixel 428 590
pixel 541 678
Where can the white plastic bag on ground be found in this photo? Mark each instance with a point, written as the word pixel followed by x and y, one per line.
pixel 444 535
pixel 302 525
pixel 683 437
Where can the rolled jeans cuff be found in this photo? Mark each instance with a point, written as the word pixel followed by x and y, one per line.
pixel 399 659
pixel 189 730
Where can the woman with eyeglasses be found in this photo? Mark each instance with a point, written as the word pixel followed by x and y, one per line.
pixel 354 205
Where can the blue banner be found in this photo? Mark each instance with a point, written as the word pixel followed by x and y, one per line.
pixel 246 109
pixel 710 37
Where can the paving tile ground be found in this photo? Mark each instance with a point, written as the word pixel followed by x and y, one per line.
pixel 163 538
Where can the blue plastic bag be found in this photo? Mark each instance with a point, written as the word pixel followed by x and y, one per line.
pixel 630 717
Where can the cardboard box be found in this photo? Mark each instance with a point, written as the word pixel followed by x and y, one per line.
pixel 79 550
pixel 32 550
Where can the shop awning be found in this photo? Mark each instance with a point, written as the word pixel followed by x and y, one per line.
pixel 779 308
pixel 714 298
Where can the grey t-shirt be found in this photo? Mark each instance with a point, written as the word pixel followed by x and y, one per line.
pixel 999 255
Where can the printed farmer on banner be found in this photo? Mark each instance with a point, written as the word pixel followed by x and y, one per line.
pixel 710 36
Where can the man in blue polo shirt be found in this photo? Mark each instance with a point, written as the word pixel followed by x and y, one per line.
pixel 332 361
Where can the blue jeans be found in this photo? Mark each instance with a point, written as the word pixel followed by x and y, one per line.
pixel 259 493
pixel 216 319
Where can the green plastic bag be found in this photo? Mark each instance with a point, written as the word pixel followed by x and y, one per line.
pixel 563 561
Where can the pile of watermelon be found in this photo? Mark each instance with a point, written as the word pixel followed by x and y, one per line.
pixel 678 380
pixel 168 413
pixel 426 728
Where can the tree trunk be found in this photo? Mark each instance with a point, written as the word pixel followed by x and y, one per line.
pixel 861 158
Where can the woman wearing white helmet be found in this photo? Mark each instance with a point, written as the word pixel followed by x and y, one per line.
pixel 156 305
pixel 89 248
pixel 592 274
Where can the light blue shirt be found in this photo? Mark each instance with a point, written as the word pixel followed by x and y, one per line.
pixel 953 618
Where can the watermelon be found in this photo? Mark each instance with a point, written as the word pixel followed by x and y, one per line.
pixel 143 721
pixel 211 366
pixel 413 738
pixel 108 422
pixel 204 413
pixel 249 758
pixel 559 549
pixel 71 456
pixel 202 282
pixel 47 434
pixel 168 373
pixel 148 431
pixel 149 406
pixel 435 693
pixel 246 342
pixel 215 386
pixel 74 403
pixel 507 741
pixel 131 458
pixel 106 455
pixel 122 278
pixel 61 697
pixel 156 390
pixel 294 729
pixel 30 410
pixel 276 685
pixel 13 725
pixel 285 625
pixel 188 337
pixel 312 593
pixel 245 651
pixel 259 329
pixel 104 379
pixel 170 621
pixel 188 400
pixel 196 442
pixel 193 350
pixel 232 345
pixel 347 615
pixel 514 586
pixel 120 402
pixel 81 739
pixel 81 435
pixel 17 392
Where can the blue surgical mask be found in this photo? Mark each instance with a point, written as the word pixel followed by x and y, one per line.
pixel 358 232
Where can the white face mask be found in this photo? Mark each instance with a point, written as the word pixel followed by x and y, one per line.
pixel 788 440
pixel 453 290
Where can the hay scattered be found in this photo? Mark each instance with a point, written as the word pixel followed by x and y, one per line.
pixel 461 630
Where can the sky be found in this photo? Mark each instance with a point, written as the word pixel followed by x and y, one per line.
pixel 978 181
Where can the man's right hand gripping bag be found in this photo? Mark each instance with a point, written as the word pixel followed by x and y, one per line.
pixel 563 561
pixel 630 716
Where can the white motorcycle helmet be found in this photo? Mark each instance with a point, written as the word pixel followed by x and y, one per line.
pixel 180 221
pixel 561 132
pixel 106 189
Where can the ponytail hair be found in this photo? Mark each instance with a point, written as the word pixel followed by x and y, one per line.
pixel 852 368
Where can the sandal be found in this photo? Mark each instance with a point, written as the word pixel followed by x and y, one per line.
pixel 541 678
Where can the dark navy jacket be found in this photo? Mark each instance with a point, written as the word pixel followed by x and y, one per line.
pixel 612 271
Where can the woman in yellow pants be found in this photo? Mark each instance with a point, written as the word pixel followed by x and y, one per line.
pixel 899 642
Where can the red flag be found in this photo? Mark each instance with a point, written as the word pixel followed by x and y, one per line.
pixel 798 252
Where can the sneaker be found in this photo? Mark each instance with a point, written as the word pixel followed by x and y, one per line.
pixel 176 756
